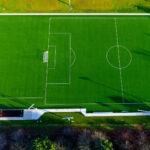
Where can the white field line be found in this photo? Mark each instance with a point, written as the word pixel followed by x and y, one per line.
pixel 96 104
pixel 72 63
pixel 121 82
pixel 54 57
pixel 47 62
pixel 21 97
pixel 70 58
pixel 51 68
pixel 58 83
pixel 74 14
pixel 73 104
pixel 97 18
pixel 59 33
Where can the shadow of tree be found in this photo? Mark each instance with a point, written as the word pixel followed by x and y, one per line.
pixel 62 1
pixel 133 98
pixel 144 53
pixel 113 121
pixel 148 34
pixel 52 118
pixel 14 99
pixel 103 104
pixel 111 88
pixel 39 54
pixel 130 103
pixel 143 8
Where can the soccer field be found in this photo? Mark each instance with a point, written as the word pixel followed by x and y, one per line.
pixel 97 62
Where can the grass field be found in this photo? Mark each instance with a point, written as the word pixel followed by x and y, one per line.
pixel 76 6
pixel 98 62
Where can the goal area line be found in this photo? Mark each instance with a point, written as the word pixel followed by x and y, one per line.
pixel 54 59
pixel 99 103
pixel 13 97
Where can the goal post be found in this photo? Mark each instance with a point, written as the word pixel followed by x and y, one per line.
pixel 45 57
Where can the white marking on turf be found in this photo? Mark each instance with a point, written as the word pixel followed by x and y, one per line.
pixel 21 97
pixel 96 103
pixel 70 58
pixel 120 70
pixel 51 68
pixel 99 18
pixel 75 14
pixel 54 57
pixel 74 57
pixel 122 67
pixel 47 62
pixel 58 83
pixel 60 33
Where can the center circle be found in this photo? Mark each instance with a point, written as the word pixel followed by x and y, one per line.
pixel 119 57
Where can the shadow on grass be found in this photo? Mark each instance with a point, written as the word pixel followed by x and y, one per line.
pixel 148 34
pixel 5 107
pixel 143 8
pixel 52 118
pixel 103 104
pixel 105 120
pixel 39 54
pixel 62 1
pixel 144 53
pixel 110 120
pixel 100 84
pixel 14 99
pixel 110 88
pixel 133 99
pixel 118 99
pixel 130 103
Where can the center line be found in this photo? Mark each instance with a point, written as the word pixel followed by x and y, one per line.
pixel 120 70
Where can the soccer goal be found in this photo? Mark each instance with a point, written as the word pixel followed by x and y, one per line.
pixel 45 57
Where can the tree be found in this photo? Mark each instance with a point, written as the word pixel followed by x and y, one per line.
pixel 3 141
pixel 100 142
pixel 143 142
pixel 17 147
pixel 42 144
pixel 84 141
pixel 59 146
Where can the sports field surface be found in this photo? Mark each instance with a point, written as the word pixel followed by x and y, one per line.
pixel 42 6
pixel 97 62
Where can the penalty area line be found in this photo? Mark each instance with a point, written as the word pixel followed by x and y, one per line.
pixel 21 97
pixel 70 48
pixel 47 61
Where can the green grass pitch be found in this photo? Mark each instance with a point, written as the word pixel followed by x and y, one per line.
pixel 98 62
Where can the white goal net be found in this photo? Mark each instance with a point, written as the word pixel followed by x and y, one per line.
pixel 45 57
